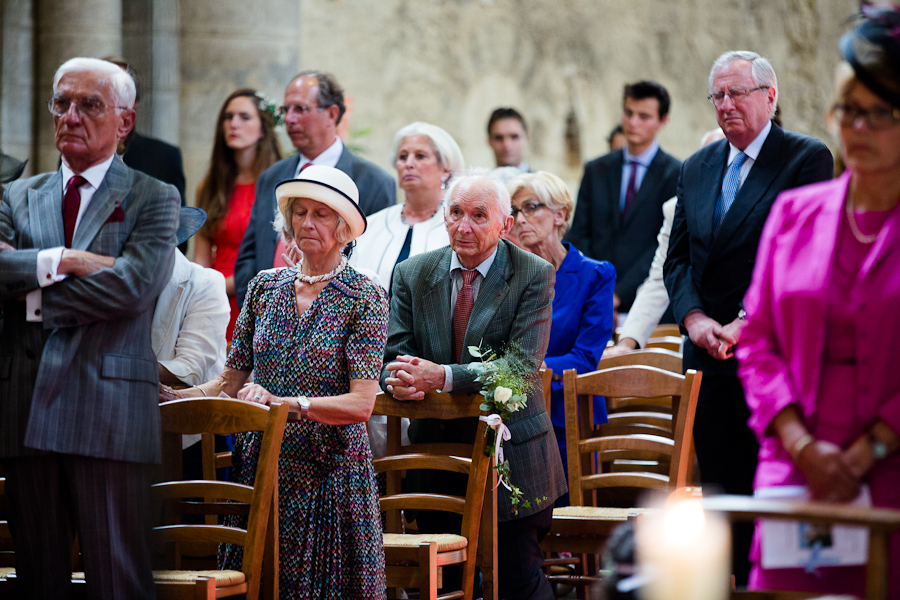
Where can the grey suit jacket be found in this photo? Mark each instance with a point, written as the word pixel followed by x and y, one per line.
pixel 514 306
pixel 377 190
pixel 85 381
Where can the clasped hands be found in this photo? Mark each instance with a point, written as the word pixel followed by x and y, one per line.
pixel 832 473
pixel 412 377
pixel 707 333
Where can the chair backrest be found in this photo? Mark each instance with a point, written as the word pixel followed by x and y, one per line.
pixel 547 383
pixel 669 342
pixel 661 358
pixel 638 382
pixel 458 458
pixel 221 416
pixel 666 329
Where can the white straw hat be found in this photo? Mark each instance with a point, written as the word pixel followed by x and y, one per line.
pixel 327 185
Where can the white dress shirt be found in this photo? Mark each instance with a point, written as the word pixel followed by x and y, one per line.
pixel 752 152
pixel 328 158
pixel 49 258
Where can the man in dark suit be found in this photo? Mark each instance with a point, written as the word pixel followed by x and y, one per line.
pixel 87 250
pixel 508 296
pixel 724 194
pixel 313 108
pixel 619 209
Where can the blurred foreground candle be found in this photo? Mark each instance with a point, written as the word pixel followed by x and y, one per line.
pixel 684 553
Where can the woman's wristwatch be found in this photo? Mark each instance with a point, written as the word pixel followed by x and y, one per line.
pixel 304 403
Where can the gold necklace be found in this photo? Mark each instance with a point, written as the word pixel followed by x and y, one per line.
pixel 851 218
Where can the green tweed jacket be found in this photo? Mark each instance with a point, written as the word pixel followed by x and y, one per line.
pixel 514 305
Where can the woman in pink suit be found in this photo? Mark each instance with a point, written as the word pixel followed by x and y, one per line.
pixel 818 355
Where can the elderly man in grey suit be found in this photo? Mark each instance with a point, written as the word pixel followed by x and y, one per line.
pixel 313 108
pixel 87 250
pixel 500 297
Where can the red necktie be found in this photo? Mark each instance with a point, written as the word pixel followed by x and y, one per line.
pixel 71 204
pixel 309 164
pixel 464 303
pixel 632 189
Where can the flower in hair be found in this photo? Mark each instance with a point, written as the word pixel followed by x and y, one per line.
pixel 266 105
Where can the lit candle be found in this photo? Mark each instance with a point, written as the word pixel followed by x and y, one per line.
pixel 684 553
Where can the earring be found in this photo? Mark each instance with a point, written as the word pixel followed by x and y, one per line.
pixel 443 184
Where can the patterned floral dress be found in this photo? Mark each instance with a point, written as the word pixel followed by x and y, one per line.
pixel 329 525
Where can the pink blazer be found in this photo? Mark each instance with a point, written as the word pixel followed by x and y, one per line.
pixel 781 347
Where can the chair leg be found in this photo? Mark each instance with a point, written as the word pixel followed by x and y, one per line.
pixel 205 589
pixel 428 585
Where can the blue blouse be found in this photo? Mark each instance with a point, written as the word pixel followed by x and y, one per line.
pixel 582 324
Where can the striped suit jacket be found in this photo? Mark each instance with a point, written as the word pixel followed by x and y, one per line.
pixel 85 381
pixel 514 306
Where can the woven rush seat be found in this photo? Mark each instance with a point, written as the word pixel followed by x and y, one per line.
pixel 4 571
pixel 598 512
pixel 446 542
pixel 223 578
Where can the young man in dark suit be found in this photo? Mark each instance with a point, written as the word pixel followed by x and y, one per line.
pixel 619 208
pixel 725 192
pixel 313 108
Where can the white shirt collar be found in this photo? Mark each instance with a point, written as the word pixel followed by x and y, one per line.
pixel 328 158
pixel 753 148
pixel 482 268
pixel 94 175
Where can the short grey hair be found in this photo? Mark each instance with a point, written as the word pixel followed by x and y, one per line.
pixel 472 174
pixel 121 84
pixel 282 221
pixel 760 70
pixel 445 148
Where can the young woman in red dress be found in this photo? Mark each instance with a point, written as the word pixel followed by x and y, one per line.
pixel 244 147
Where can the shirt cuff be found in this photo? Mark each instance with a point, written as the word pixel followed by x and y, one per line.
pixel 47 264
pixel 448 380
pixel 33 305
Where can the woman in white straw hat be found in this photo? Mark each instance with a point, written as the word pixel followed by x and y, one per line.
pixel 313 336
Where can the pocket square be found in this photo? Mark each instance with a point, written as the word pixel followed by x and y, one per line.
pixel 117 216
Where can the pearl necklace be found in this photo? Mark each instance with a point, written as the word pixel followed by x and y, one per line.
pixel 859 235
pixel 314 279
pixel 403 216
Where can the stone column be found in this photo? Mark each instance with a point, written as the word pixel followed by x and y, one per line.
pixel 67 29
pixel 16 84
pixel 226 45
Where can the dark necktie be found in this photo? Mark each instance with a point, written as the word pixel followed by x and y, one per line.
pixel 464 303
pixel 71 204
pixel 631 190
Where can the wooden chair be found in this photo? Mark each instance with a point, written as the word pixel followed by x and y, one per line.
pixel 880 522
pixel 668 342
pixel 259 502
pixel 417 560
pixel 583 528
pixel 547 383
pixel 666 329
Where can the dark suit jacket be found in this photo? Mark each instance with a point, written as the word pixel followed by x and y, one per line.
pixel 598 230
pixel 85 381
pixel 377 190
pixel 712 273
pixel 514 305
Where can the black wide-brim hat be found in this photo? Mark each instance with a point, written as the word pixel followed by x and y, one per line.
pixel 873 50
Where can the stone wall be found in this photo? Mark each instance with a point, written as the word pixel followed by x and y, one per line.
pixel 561 62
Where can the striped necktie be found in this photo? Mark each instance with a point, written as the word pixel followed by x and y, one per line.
pixel 730 186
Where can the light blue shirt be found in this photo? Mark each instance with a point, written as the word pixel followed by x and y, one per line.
pixel 643 161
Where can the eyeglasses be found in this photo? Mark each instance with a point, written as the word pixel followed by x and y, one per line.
pixel 736 94
pixel 91 108
pixel 527 209
pixel 297 109
pixel 874 118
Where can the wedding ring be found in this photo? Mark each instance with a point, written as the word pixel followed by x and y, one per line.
pixel 257 397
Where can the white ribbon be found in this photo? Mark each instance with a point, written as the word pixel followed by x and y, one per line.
pixel 495 422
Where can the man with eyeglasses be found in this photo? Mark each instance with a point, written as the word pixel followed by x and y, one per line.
pixel 619 208
pixel 313 108
pixel 725 191
pixel 86 250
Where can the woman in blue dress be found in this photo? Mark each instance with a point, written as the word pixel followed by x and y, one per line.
pixel 583 300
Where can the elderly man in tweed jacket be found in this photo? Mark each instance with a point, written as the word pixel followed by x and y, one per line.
pixel 86 251
pixel 509 292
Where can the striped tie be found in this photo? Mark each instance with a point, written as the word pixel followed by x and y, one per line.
pixel 730 186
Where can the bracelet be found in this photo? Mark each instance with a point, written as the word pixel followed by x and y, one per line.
pixel 800 444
